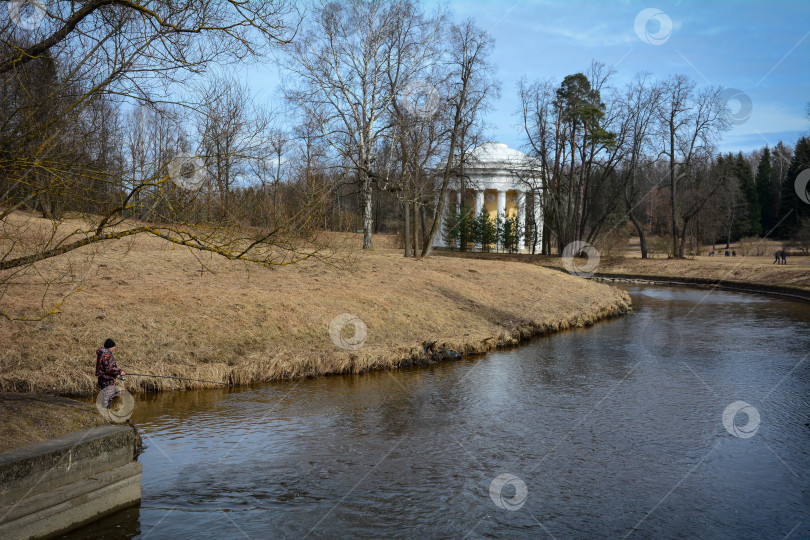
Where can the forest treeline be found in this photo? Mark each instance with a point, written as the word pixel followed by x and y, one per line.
pixel 122 118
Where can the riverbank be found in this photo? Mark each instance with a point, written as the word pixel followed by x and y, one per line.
pixel 751 271
pixel 223 321
pixel 754 274
pixel 750 274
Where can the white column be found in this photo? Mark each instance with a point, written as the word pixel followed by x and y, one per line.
pixel 479 202
pixel 501 206
pixel 479 207
pixel 538 218
pixel 521 218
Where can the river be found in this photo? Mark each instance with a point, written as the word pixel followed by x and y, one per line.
pixel 689 417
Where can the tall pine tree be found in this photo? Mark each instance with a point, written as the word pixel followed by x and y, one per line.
pixel 794 208
pixel 742 169
pixel 767 199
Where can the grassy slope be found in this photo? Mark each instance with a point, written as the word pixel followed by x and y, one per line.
pixel 246 323
pixel 29 419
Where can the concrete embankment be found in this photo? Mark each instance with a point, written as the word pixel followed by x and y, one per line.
pixel 62 483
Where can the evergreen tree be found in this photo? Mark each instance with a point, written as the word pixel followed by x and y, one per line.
pixel 767 198
pixel 509 234
pixel 520 232
pixel 464 224
pixel 742 170
pixel 791 203
pixel 484 231
pixel 780 161
pixel 475 230
pixel 450 231
pixel 498 231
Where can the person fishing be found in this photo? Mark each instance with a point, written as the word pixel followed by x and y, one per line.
pixel 107 371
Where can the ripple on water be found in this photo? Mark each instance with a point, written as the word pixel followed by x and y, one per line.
pixel 611 427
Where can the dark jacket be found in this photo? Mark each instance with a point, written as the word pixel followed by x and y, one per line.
pixel 106 368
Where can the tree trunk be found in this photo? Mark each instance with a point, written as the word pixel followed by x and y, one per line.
pixel 368 218
pixel 423 223
pixel 376 220
pixel 415 229
pixel 437 217
pixel 44 200
pixel 642 239
pixel 406 233
pixel 673 216
pixel 683 239
pixel 672 198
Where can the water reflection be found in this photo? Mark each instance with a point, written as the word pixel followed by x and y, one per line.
pixel 610 428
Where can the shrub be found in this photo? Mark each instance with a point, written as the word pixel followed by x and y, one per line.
pixel 659 246
pixel 614 243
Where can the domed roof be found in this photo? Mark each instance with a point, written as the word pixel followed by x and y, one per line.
pixel 495 152
pixel 494 158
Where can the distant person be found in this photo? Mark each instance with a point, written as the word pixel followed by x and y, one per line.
pixel 776 257
pixel 726 253
pixel 733 252
pixel 107 371
pixel 784 256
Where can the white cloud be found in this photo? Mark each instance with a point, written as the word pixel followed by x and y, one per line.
pixel 770 118
pixel 600 35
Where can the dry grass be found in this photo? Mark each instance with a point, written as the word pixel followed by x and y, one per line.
pixel 239 323
pixel 754 270
pixel 758 271
pixel 37 417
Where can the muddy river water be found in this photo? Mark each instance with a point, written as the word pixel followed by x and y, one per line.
pixel 689 417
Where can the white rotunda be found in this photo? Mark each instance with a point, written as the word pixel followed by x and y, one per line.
pixel 503 182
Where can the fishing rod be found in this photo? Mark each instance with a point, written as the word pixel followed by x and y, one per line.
pixel 171 377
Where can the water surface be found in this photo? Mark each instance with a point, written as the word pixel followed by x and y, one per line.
pixel 615 431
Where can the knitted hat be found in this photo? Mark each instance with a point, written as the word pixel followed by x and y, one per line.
pixel 109 344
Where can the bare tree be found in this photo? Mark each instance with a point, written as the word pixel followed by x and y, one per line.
pixel 689 122
pixel 640 105
pixel 541 129
pixel 348 67
pixel 470 84
pixel 58 152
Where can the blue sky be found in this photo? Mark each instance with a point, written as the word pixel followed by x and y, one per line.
pixel 760 48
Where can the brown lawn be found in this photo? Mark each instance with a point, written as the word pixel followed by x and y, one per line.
pixel 209 318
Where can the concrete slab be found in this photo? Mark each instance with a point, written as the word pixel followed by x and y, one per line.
pixel 73 505
pixel 42 467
